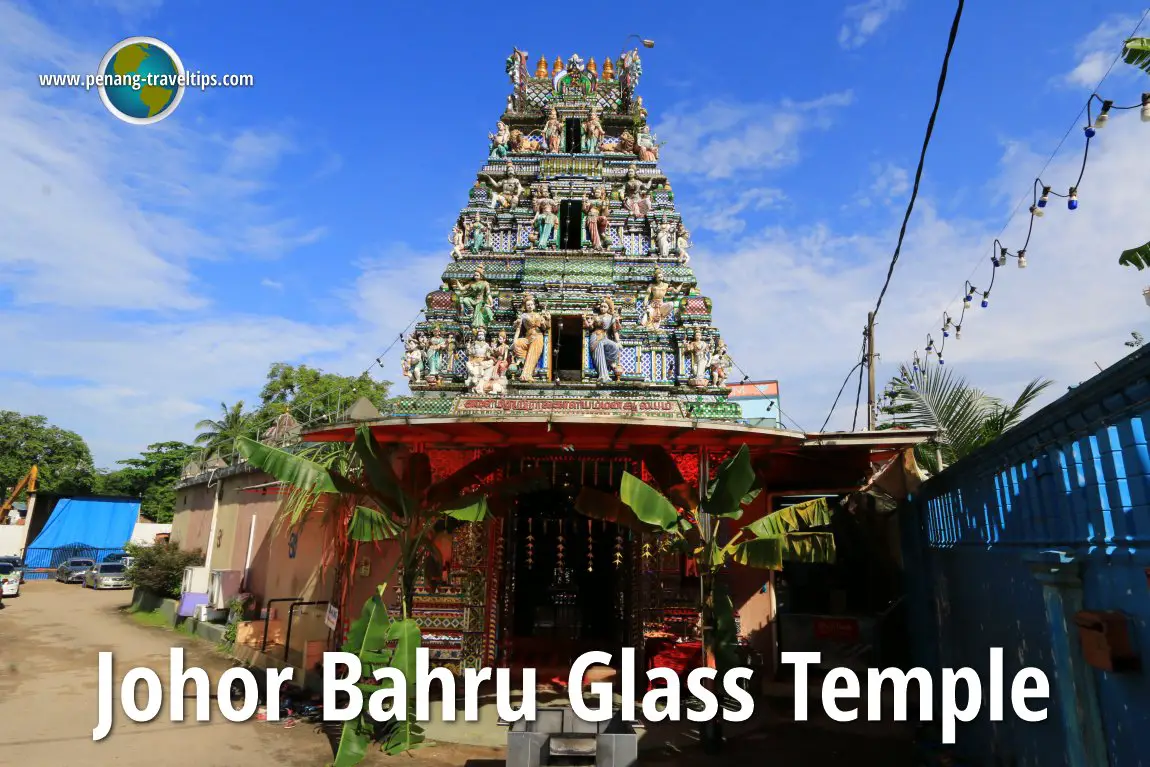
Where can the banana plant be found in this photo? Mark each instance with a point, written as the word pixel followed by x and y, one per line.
pixel 693 522
pixel 380 642
pixel 1136 53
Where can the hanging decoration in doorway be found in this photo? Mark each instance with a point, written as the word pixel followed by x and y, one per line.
pixel 618 547
pixel 647 554
pixel 530 544
pixel 559 549
pixel 590 547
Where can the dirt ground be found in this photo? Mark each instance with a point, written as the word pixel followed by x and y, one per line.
pixel 49 640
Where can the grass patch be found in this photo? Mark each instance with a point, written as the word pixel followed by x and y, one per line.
pixel 153 618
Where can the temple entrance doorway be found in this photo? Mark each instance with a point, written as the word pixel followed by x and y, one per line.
pixel 567 337
pixel 570 224
pixel 573 135
pixel 569 575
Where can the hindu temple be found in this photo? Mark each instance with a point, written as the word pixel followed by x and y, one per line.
pixel 569 337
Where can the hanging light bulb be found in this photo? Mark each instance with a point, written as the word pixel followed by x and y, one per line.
pixel 1146 107
pixel 958 332
pixel 1036 211
pixel 967 299
pixel 986 299
pixel 1072 198
pixel 941 361
pixel 1103 114
pixel 1089 131
pixel 1022 259
pixel 945 325
pixel 1045 198
pixel 915 364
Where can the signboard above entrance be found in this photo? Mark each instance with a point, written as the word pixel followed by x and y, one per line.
pixel 648 408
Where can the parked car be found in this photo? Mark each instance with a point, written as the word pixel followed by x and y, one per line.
pixel 110 558
pixel 9 580
pixel 107 576
pixel 16 563
pixel 72 571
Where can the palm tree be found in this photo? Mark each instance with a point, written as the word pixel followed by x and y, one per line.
pixel 218 437
pixel 965 417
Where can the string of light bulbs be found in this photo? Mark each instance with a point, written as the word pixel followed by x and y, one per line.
pixel 1041 195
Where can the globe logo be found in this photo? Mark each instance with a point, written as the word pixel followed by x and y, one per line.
pixel 141 80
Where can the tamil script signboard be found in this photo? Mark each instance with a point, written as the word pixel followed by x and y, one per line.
pixel 567 406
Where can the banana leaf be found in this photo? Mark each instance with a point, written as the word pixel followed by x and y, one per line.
pixel 814 548
pixel 648 504
pixel 798 518
pixel 725 637
pixel 764 553
pixel 404 734
pixel 285 467
pixel 607 507
pixel 473 512
pixel 367 633
pixel 1136 52
pixel 735 479
pixel 383 481
pixel 1138 257
pixel 368 525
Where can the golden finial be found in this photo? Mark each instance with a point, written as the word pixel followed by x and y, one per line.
pixel 541 67
pixel 557 67
pixel 608 69
pixel 592 67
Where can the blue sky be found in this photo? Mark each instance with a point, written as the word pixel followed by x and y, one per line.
pixel 146 273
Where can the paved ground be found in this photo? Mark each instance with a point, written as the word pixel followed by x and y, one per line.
pixel 49 640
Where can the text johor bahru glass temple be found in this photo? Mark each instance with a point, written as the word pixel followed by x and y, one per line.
pixel 568 345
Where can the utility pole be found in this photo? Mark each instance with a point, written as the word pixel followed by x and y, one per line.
pixel 870 393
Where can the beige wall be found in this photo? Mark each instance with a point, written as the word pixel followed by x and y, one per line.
pixel 193 518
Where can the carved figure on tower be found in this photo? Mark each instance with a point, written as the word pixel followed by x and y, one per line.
pixel 507 191
pixel 645 145
pixel 456 240
pixel 477 230
pixel 545 227
pixel 527 345
pixel 520 143
pixel 501 356
pixel 413 360
pixel 698 351
pixel 720 363
pixel 664 231
pixel 592 131
pixel 479 361
pixel 475 301
pixel 635 194
pixel 656 307
pixel 604 340
pixel 437 363
pixel 683 243
pixel 499 141
pixel 596 224
pixel 553 132
pixel 542 196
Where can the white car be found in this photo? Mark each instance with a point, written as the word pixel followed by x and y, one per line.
pixel 9 580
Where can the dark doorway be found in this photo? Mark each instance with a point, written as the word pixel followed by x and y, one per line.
pixel 568 593
pixel 567 334
pixel 570 224
pixel 574 135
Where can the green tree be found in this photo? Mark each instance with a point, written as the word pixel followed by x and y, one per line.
pixel 218 437
pixel 159 567
pixel 1136 53
pixel 313 396
pixel 63 457
pixel 964 417
pixel 151 477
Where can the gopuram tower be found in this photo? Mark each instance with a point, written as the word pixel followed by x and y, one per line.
pixel 569 288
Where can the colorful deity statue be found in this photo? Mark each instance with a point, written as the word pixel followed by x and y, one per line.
pixel 645 145
pixel 664 232
pixel 596 225
pixel 636 193
pixel 604 340
pixel 720 363
pixel 501 356
pixel 456 241
pixel 436 362
pixel 477 229
pixel 527 345
pixel 698 351
pixel 506 192
pixel 475 301
pixel 545 226
pixel 656 307
pixel 479 361
pixel 499 141
pixel 575 79
pixel 625 145
pixel 553 132
pixel 683 243
pixel 541 196
pixel 413 360
pixel 592 131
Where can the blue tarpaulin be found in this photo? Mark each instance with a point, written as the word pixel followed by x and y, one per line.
pixel 82 527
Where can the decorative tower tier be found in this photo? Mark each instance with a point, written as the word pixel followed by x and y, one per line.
pixel 569 288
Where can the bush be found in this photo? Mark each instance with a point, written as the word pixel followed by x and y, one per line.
pixel 159 568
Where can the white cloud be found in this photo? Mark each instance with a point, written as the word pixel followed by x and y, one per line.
pixel 1095 52
pixel 720 210
pixel 864 19
pixel 723 140
pixel 272 284
pixel 890 185
pixel 792 301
